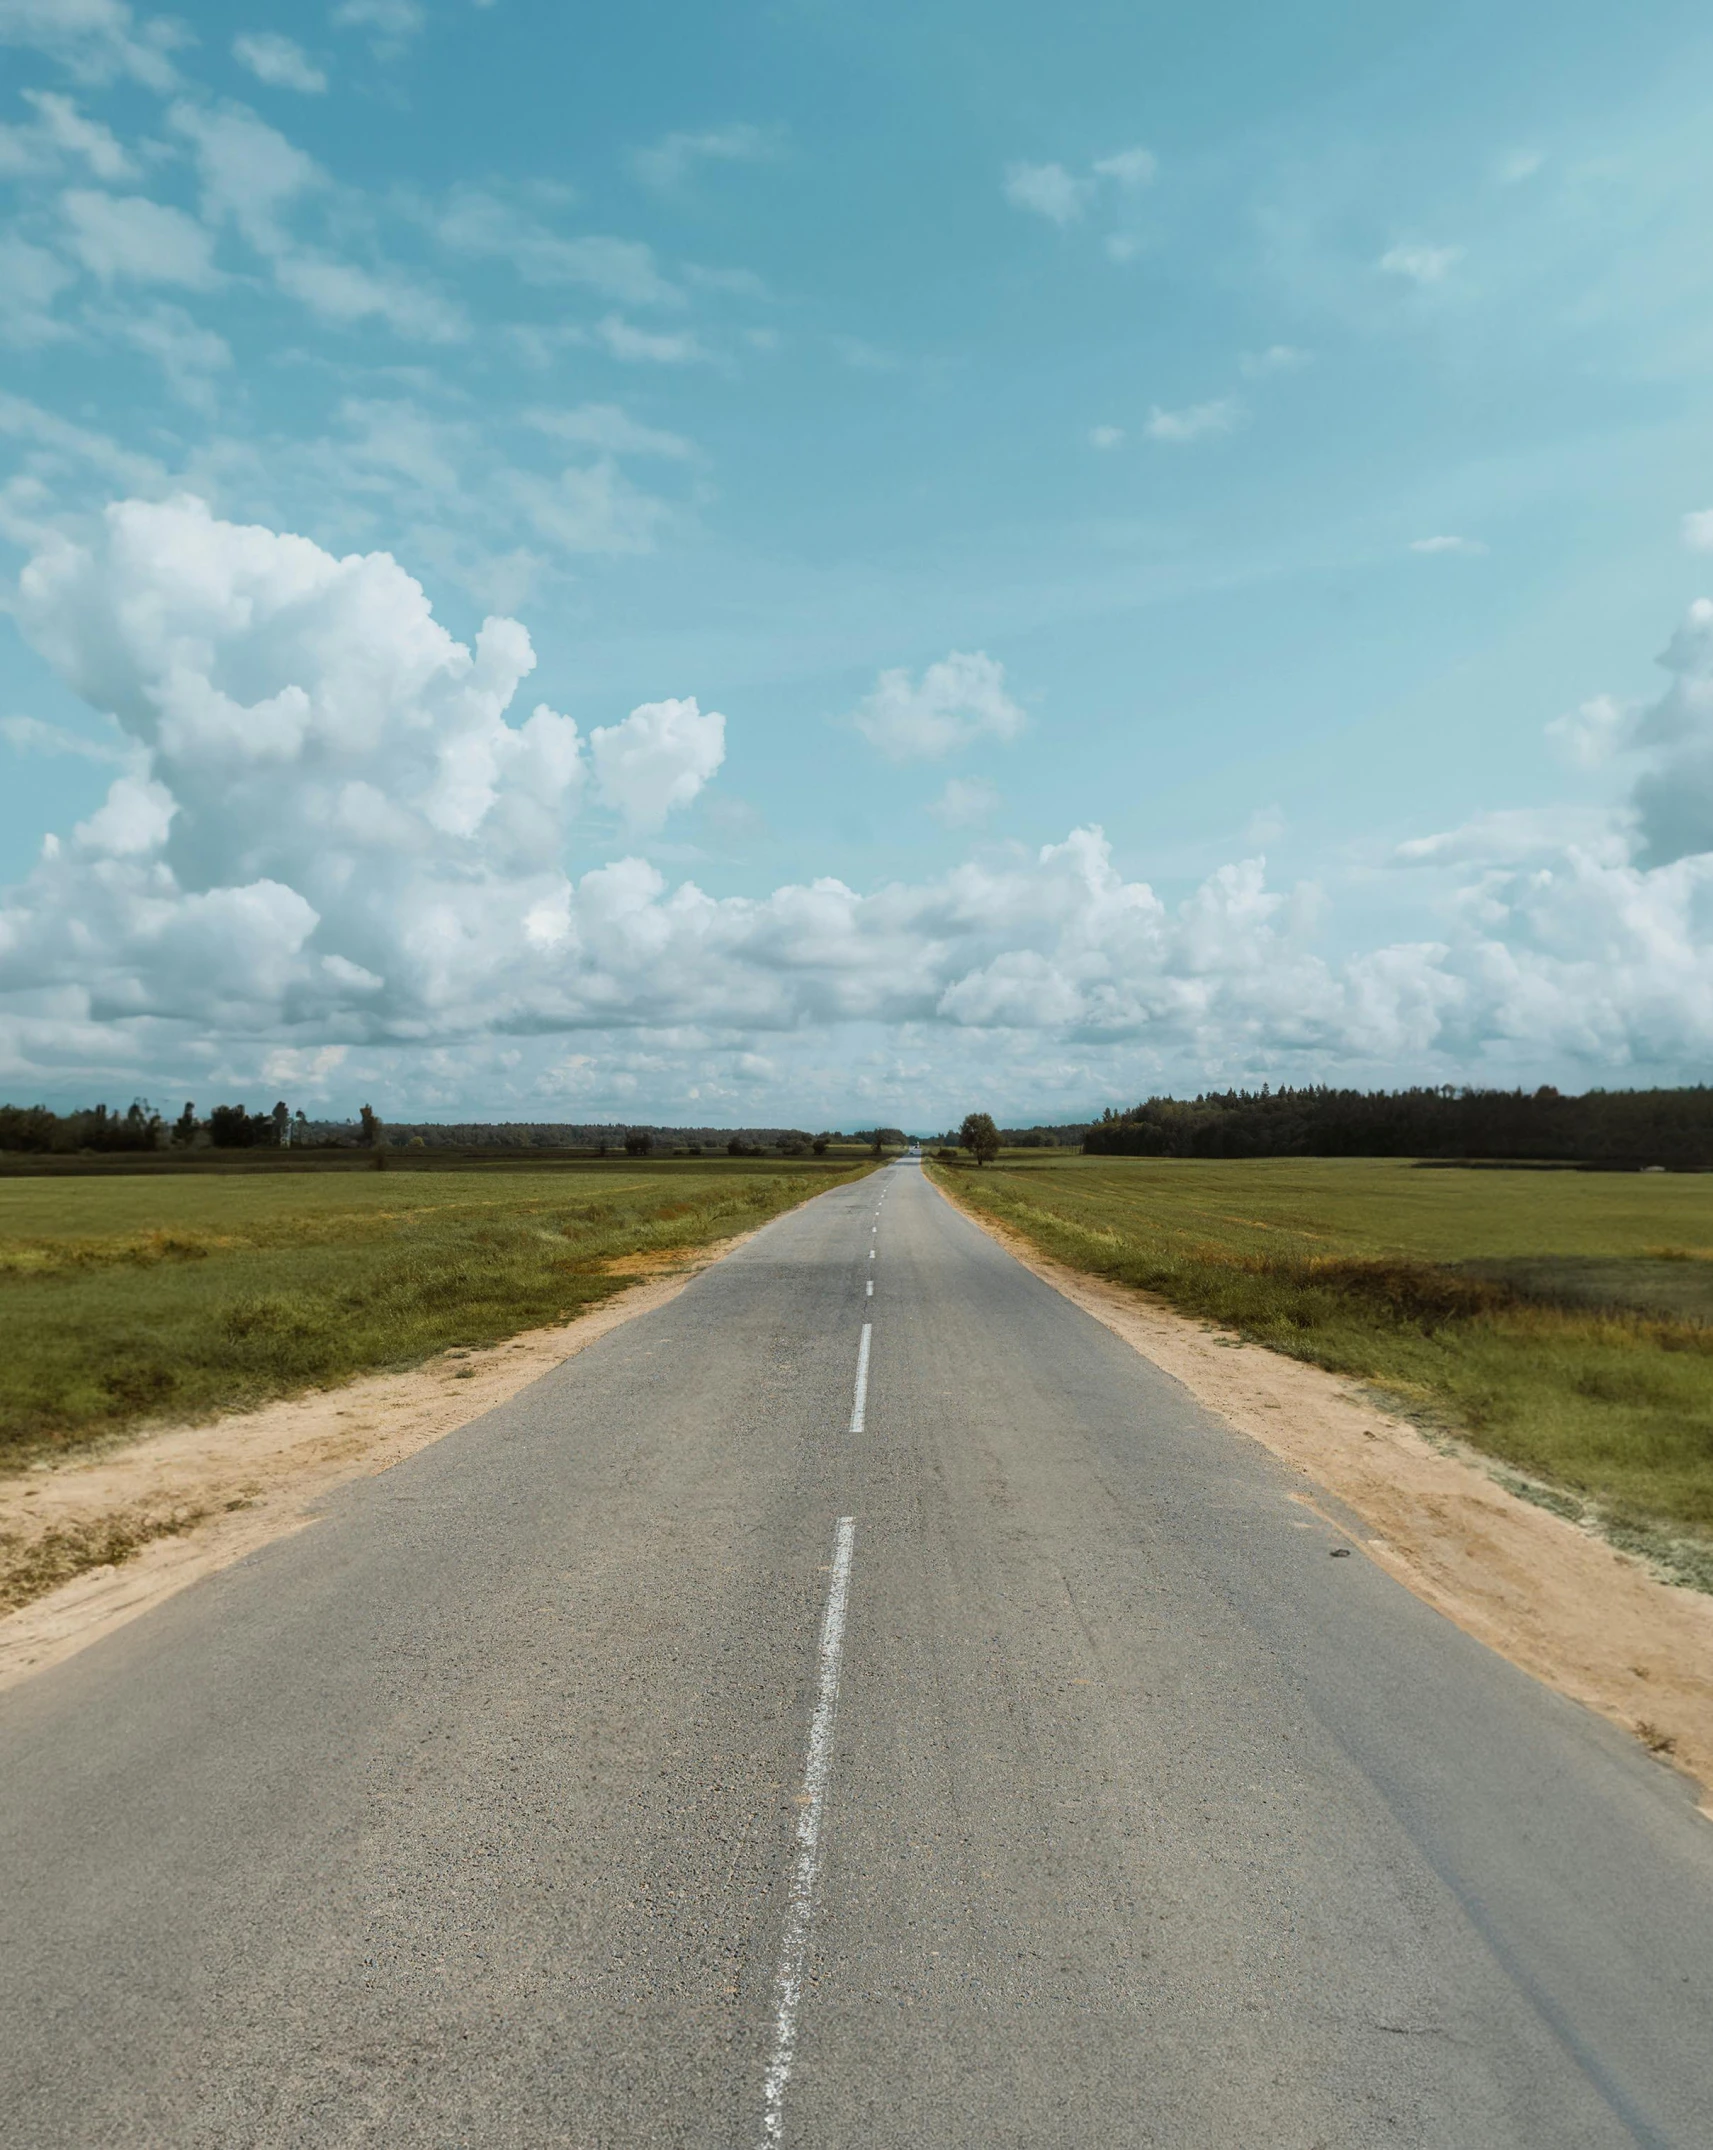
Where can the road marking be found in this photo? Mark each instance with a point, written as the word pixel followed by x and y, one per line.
pixel 794 1950
pixel 859 1403
pixel 871 1287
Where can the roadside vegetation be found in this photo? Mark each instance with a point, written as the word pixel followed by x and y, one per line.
pixel 136 1297
pixel 1636 1127
pixel 1562 1322
pixel 141 1132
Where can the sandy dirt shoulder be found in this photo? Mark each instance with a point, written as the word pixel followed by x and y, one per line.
pixel 191 1499
pixel 1562 1604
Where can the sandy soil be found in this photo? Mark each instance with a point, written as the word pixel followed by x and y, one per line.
pixel 200 1497
pixel 1551 1597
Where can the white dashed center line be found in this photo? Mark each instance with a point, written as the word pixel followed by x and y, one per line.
pixel 859 1403
pixel 794 1950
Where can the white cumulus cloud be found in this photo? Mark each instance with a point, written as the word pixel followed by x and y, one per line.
pixel 332 831
pixel 278 61
pixel 650 347
pixel 344 292
pixel 1673 796
pixel 960 699
pixel 256 180
pixel 391 23
pixel 98 40
pixel 128 238
pixel 1129 167
pixel 1064 196
pixel 250 172
pixel 669 162
pixel 1048 190
pixel 657 760
pixel 69 131
pixel 1592 733
pixel 1421 264
pixel 1196 421
pixel 325 760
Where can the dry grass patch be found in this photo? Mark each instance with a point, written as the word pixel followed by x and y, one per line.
pixel 30 1567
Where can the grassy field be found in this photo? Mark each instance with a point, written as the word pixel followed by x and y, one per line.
pixel 128 1298
pixel 1561 1321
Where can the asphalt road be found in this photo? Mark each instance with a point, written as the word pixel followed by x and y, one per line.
pixel 683 1755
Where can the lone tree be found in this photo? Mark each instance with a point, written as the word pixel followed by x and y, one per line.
pixel 371 1127
pixel 980 1137
pixel 638 1142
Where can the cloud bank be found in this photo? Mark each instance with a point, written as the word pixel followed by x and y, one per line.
pixel 334 832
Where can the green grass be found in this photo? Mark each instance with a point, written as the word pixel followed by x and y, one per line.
pixel 1560 1321
pixel 126 1299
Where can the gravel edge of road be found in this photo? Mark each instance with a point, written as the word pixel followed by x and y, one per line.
pixel 1556 1601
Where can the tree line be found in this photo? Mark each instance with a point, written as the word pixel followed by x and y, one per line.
pixel 1615 1127
pixel 600 1136
pixel 34 1129
pixel 37 1129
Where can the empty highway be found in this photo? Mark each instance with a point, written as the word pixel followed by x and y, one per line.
pixel 859 1705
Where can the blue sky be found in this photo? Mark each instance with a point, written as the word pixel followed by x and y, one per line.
pixel 1275 440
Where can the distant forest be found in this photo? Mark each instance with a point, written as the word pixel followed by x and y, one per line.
pixel 101 1129
pixel 1602 1127
pixel 34 1128
pixel 563 1135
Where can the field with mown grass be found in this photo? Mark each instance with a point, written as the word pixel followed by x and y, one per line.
pixel 1560 1321
pixel 129 1298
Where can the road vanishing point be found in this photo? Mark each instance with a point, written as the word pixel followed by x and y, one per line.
pixel 861 1704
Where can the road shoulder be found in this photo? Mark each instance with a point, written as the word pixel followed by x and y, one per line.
pixel 181 1502
pixel 1556 1601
